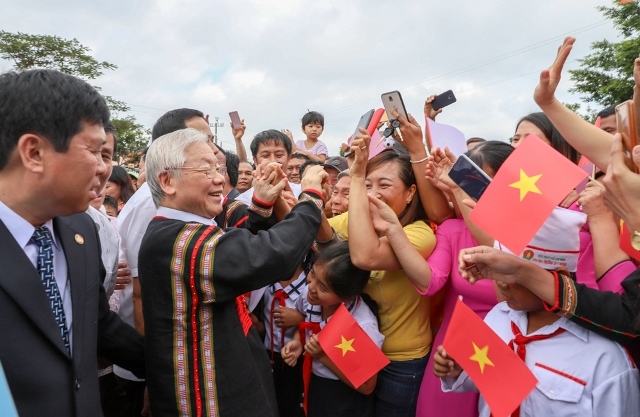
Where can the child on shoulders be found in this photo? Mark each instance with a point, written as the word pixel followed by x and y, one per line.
pixel 312 146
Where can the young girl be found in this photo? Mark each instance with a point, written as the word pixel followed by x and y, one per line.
pixel 334 280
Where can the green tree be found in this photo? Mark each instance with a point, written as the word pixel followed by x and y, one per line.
pixel 52 52
pixel 71 57
pixel 605 76
pixel 132 137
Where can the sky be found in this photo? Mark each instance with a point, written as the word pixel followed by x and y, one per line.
pixel 273 60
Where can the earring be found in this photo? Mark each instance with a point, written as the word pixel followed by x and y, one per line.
pixel 408 202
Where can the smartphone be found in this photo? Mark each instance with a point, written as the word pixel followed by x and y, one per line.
pixel 626 124
pixel 235 119
pixel 393 100
pixel 364 122
pixel 443 100
pixel 473 180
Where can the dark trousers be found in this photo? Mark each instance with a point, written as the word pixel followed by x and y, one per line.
pixel 288 383
pixel 134 391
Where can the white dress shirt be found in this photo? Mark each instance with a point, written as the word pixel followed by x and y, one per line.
pixel 293 291
pixel 22 231
pixel 132 225
pixel 604 380
pixel 110 242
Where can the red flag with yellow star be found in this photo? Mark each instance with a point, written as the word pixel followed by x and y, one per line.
pixel 350 348
pixel 502 378
pixel 528 186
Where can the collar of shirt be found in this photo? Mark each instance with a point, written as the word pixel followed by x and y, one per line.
pixel 184 216
pixel 520 318
pixel 292 290
pixel 20 229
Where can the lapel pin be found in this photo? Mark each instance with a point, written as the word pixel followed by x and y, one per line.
pixel 79 239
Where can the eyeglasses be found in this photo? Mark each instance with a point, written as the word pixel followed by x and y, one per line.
pixel 210 171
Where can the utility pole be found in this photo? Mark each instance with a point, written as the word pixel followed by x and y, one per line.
pixel 215 129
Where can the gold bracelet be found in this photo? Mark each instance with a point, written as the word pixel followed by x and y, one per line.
pixel 420 160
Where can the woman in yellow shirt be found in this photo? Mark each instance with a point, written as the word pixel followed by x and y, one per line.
pixel 404 313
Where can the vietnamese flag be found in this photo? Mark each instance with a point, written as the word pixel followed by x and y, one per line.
pixel 499 374
pixel 528 186
pixel 350 348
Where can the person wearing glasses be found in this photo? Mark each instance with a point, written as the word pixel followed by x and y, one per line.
pixel 204 356
pixel 132 225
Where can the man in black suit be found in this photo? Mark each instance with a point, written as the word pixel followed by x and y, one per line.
pixel 54 315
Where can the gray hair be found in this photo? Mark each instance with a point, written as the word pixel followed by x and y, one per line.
pixel 168 152
pixel 344 173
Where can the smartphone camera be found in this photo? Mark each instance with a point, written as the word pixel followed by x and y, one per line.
pixel 390 98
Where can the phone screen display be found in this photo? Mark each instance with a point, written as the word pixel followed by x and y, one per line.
pixel 469 177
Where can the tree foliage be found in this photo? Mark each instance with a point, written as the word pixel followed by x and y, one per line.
pixel 42 51
pixel 605 76
pixel 71 57
pixel 132 137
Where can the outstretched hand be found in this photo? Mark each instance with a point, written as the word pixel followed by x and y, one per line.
pixel 622 185
pixel 545 91
pixel 438 166
pixel 360 151
pixel 428 108
pixel 382 215
pixel 411 133
pixel 270 181
pixel 483 262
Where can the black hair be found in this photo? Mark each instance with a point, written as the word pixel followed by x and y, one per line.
pixel 233 162
pixel 120 176
pixel 475 140
pixel 542 122
pixel 312 117
pixel 173 120
pixel 345 279
pixel 606 112
pixel 111 202
pixel 270 136
pixel 300 156
pixel 492 153
pixel 47 103
pixel 110 128
pixel 306 164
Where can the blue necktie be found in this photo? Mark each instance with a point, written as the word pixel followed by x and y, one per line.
pixel 42 238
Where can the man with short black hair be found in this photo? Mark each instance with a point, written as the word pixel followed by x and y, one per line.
pixel 52 302
pixel 608 120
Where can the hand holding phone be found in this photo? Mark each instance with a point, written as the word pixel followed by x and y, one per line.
pixel 473 180
pixel 368 121
pixel 443 100
pixel 393 101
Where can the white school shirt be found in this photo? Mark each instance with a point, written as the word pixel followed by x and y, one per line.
pixel 248 195
pixel 609 379
pixel 361 314
pixel 22 231
pixel 132 225
pixel 110 243
pixel 293 291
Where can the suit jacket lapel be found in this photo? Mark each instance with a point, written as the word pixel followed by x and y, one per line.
pixel 21 282
pixel 75 255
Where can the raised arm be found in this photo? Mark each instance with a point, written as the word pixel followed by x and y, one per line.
pixel 587 139
pixel 237 135
pixel 433 200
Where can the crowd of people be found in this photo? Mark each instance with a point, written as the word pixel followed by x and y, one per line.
pixel 199 282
